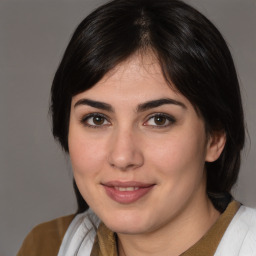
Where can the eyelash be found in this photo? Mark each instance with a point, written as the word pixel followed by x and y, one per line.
pixel 84 120
pixel 171 120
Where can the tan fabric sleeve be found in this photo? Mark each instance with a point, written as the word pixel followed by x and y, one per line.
pixel 45 239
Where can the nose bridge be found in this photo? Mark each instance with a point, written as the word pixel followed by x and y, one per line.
pixel 125 150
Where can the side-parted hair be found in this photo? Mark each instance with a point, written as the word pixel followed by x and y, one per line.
pixel 192 54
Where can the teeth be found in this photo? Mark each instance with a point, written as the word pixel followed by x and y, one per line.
pixel 127 188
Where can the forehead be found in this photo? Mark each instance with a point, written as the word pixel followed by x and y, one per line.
pixel 137 65
pixel 140 77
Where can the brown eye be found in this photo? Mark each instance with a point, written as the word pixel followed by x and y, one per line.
pixel 160 120
pixel 95 120
pixel 98 120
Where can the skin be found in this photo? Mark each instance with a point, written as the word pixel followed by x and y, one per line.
pixel 128 143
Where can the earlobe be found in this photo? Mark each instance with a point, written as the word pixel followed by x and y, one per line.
pixel 215 146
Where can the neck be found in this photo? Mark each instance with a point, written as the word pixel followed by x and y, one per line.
pixel 175 237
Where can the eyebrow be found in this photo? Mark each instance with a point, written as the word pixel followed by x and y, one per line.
pixel 157 103
pixel 95 104
pixel 141 107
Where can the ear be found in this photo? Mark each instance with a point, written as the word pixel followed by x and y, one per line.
pixel 215 145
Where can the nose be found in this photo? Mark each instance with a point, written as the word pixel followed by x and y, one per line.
pixel 125 151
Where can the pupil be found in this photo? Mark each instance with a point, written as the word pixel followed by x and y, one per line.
pixel 98 120
pixel 160 120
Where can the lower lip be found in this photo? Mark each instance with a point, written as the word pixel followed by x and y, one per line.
pixel 126 197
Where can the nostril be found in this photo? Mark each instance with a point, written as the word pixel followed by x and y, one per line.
pixel 124 151
pixel 126 162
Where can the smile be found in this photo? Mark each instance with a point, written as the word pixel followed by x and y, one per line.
pixel 126 192
pixel 126 189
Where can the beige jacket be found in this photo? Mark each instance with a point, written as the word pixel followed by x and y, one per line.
pixel 45 239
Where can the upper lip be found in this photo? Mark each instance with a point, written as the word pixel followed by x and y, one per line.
pixel 126 184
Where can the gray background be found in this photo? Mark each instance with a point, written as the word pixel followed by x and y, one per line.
pixel 35 176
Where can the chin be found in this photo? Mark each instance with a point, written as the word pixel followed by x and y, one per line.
pixel 126 229
pixel 127 223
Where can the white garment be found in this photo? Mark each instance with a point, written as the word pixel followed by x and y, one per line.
pixel 79 237
pixel 238 240
pixel 240 236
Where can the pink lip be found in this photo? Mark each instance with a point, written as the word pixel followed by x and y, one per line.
pixel 126 197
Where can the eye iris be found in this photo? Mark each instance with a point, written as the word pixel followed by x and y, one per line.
pixel 98 120
pixel 160 120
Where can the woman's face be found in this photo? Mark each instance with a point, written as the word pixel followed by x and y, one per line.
pixel 138 149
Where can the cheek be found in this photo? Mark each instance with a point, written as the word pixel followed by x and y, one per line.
pixel 179 164
pixel 86 155
pixel 178 155
pixel 87 163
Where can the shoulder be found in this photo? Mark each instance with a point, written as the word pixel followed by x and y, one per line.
pixel 245 221
pixel 240 235
pixel 248 215
pixel 45 238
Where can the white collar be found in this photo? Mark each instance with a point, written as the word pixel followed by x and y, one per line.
pixel 79 237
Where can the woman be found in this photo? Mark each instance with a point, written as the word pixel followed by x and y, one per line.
pixel 147 104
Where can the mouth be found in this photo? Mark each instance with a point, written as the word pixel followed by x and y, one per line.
pixel 126 188
pixel 127 192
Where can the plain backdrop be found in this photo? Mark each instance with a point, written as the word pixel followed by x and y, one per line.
pixel 35 175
